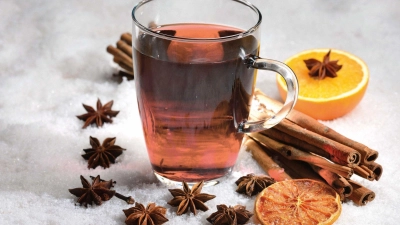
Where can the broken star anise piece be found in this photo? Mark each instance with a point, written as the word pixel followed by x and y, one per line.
pixel 103 114
pixel 139 215
pixel 102 155
pixel 230 215
pixel 96 192
pixel 323 69
pixel 189 198
pixel 252 184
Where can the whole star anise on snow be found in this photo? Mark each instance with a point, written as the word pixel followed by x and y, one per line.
pixel 103 114
pixel 189 198
pixel 322 69
pixel 230 215
pixel 97 192
pixel 252 184
pixel 139 215
pixel 102 155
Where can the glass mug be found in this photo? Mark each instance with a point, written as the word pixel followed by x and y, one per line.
pixel 195 66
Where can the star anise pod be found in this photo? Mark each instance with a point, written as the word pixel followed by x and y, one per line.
pixel 103 114
pixel 97 192
pixel 189 198
pixel 230 215
pixel 127 199
pixel 324 68
pixel 252 184
pixel 102 155
pixel 139 215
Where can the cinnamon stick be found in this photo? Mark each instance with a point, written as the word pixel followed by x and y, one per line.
pixel 117 53
pixel 295 142
pixel 127 49
pixel 339 153
pixel 367 174
pixel 367 155
pixel 127 37
pixel 337 182
pixel 376 169
pixel 361 195
pixel 265 161
pixel 123 65
pixel 293 153
pixel 295 168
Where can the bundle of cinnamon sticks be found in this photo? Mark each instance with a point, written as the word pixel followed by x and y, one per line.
pixel 123 55
pixel 302 147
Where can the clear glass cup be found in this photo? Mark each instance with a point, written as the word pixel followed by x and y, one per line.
pixel 195 66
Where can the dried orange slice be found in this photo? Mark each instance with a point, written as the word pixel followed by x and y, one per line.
pixel 298 201
pixel 328 98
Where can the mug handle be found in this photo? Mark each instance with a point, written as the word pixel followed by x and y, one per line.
pixel 291 97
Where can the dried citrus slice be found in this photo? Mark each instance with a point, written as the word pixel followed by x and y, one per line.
pixel 298 201
pixel 327 98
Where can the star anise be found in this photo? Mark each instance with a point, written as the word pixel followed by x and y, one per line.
pixel 103 114
pixel 102 155
pixel 127 199
pixel 139 215
pixel 97 192
pixel 230 215
pixel 252 184
pixel 189 198
pixel 324 68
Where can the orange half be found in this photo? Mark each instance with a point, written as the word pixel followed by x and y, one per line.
pixel 328 98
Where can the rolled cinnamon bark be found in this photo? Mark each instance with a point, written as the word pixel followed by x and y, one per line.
pixel 117 53
pixel 364 172
pixel 337 182
pixel 127 37
pixel 293 153
pixel 127 49
pixel 295 142
pixel 295 168
pixel 376 169
pixel 265 161
pixel 339 153
pixel 367 155
pixel 361 195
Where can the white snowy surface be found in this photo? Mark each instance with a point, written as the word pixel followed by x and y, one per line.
pixel 53 59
